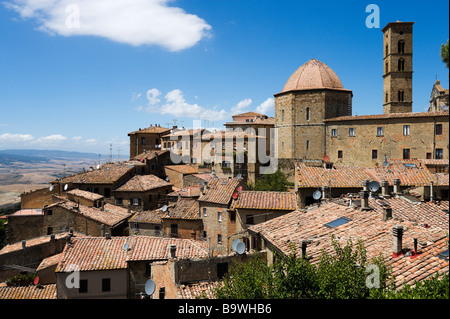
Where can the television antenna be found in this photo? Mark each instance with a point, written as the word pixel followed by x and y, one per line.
pixel 50 188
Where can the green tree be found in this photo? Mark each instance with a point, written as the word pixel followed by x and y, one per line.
pixel 271 182
pixel 444 53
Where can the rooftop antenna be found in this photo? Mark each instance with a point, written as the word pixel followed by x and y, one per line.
pixel 64 172
pixel 110 153
pixel 118 154
pixel 99 161
pixel 385 163
pixel 174 122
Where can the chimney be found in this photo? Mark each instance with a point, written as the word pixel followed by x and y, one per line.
pixel 396 186
pixel 304 244
pixel 173 251
pixel 387 213
pixel 324 192
pixel 129 208
pixel 52 238
pixel 384 188
pixel 397 231
pixel 431 191
pixel 107 235
pixel 103 206
pixel 364 195
pixel 24 244
pixel 366 185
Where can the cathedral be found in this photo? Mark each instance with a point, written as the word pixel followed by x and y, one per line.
pixel 314 121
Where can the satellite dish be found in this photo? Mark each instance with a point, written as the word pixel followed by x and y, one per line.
pixel 36 280
pixel 50 188
pixel 126 246
pixel 98 166
pixel 239 189
pixel 167 178
pixel 150 287
pixel 240 248
pixel 235 195
pixel 66 187
pixel 385 163
pixel 164 208
pixel 213 172
pixel 234 244
pixel 317 195
pixel 239 176
pixel 326 158
pixel 374 186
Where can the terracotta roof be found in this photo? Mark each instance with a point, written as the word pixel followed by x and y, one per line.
pixel 148 216
pixel 267 121
pixel 151 129
pixel 190 132
pixel 29 292
pixel 150 154
pixel 314 74
pixel 205 176
pixel 442 179
pixel 220 190
pixel 185 208
pixel 142 183
pixel 49 262
pixel 191 191
pixel 196 290
pixel 85 194
pixel 28 212
pixel 248 114
pixel 439 162
pixel 183 169
pixel 107 174
pixel 367 226
pixel 265 200
pixel 386 116
pixel 111 215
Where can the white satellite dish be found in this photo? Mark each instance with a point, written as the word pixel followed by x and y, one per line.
pixel 164 208
pixel 167 178
pixel 240 248
pixel 239 176
pixel 98 166
pixel 150 287
pixel 50 188
pixel 374 186
pixel 234 244
pixel 66 187
pixel 126 246
pixel 317 195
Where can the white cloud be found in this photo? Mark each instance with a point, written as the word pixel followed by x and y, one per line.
pixel 14 138
pixel 91 141
pixel 52 138
pixel 134 22
pixel 76 138
pixel 238 108
pixel 266 107
pixel 176 105
pixel 153 96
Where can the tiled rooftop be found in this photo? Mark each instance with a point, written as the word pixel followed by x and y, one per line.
pixel 220 190
pixel 148 216
pixel 28 292
pixel 85 194
pixel 203 289
pixel 185 208
pixel 151 129
pixel 191 191
pixel 28 212
pixel 149 155
pixel 387 116
pixel 265 200
pixel 49 261
pixel 99 253
pixel 142 183
pixel 107 174
pixel 183 169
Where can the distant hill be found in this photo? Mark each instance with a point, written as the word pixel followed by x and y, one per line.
pixel 42 155
pixel 7 159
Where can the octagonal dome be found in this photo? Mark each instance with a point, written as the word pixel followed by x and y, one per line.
pixel 314 74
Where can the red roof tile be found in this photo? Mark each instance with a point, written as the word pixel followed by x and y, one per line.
pixel 266 200
pixel 142 183
pixel 220 190
pixel 28 292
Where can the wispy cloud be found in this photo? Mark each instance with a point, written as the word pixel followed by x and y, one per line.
pixel 133 22
pixel 16 138
pixel 266 107
pixel 239 108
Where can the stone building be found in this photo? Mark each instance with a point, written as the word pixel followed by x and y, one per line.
pixel 153 162
pixel 439 98
pixel 183 220
pixel 146 139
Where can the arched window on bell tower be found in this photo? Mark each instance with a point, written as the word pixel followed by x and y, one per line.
pixel 401 96
pixel 401 64
pixel 401 46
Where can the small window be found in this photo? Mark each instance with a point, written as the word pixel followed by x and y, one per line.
pixel 401 46
pixel 282 115
pixel 148 269
pixel 307 114
pixel 307 144
pixel 387 97
pixel 387 67
pixel 401 96
pixel 49 212
pixel 83 286
pixel 250 220
pixel 204 212
pixel 337 222
pixel 351 132
pixel 374 154
pixel 428 156
pixel 222 270
pixel 49 230
pixel 438 129
pixel 136 201
pixel 406 153
pixel 219 238
pixel 405 130
pixel 142 140
pixel 119 201
pixel 439 153
pixel 232 217
pixel 380 131
pixel 340 154
pixel 174 229
pixel 401 65
pixel 333 132
pixel 106 284
pixel 219 216
pixel 162 293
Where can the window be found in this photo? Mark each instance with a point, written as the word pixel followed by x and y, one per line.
pixel 337 222
pixel 405 130
pixel 401 96
pixel 148 269
pixel 438 129
pixel 351 131
pixel 142 140
pixel 204 212
pixel 49 230
pixel 401 64
pixel 428 156
pixel 333 132
pixel 387 97
pixel 374 154
pixel 282 115
pixel 232 217
pixel 387 49
pixel 250 220
pixel 174 229
pixel 387 67
pixel 401 46
pixel 307 113
pixel 380 131
pixel 136 201
pixel 222 270
pixel 219 216
pixel 49 212
pixel 307 144
pixel 219 238
pixel 107 192
pixel 340 154
pixel 83 286
pixel 162 293
pixel 119 201
pixel 439 153
pixel 406 153
pixel 106 284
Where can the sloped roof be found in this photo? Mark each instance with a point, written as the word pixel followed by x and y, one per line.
pixel 108 173
pixel 85 194
pixel 151 129
pixel 142 183
pixel 386 116
pixel 198 290
pixel 148 216
pixel 185 208
pixel 220 190
pixel 29 292
pixel 265 200
pixel 183 169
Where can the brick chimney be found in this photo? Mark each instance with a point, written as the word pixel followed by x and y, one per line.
pixel 366 185
pixel 384 188
pixel 304 243
pixel 396 186
pixel 397 232
pixel 387 213
pixel 364 195
pixel 173 251
pixel 324 192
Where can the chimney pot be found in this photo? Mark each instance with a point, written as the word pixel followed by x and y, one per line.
pixel 387 213
pixel 396 186
pixel 397 231
pixel 366 184
pixel 324 192
pixel 107 235
pixel 173 251
pixel 52 238
pixel 364 195
pixel 384 188
pixel 304 244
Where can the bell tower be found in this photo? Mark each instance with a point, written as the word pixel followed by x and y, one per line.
pixel 397 67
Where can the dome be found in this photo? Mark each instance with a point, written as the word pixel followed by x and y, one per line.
pixel 313 75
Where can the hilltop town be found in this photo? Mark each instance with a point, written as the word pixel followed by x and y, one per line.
pixel 169 222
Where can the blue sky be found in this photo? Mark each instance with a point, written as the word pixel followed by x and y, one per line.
pixel 80 74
